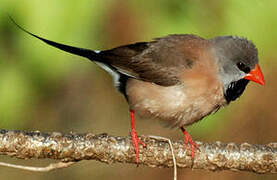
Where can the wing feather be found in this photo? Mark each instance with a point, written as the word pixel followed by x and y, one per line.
pixel 160 61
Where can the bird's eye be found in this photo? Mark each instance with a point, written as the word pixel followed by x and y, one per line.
pixel 243 67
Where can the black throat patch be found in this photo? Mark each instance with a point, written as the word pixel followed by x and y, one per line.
pixel 235 89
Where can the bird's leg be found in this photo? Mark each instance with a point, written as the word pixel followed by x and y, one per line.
pixel 135 140
pixel 188 140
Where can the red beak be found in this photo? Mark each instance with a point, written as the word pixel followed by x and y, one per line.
pixel 256 75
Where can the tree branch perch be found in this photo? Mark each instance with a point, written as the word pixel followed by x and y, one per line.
pixel 109 149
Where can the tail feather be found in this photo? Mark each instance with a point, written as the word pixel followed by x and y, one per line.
pixel 92 55
pixel 119 78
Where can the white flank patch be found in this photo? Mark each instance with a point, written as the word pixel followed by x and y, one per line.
pixel 97 51
pixel 115 75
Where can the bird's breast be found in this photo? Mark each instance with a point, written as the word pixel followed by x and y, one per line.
pixel 178 105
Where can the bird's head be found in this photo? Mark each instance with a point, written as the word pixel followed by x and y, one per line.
pixel 237 60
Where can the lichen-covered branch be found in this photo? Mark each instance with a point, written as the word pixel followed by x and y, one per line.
pixel 111 149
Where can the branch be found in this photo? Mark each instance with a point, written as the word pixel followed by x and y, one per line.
pixel 109 149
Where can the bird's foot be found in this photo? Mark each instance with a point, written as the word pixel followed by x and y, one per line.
pixel 188 140
pixel 136 141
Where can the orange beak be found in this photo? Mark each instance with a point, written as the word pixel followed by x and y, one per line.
pixel 256 75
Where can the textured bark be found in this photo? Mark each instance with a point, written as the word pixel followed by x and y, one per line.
pixel 111 149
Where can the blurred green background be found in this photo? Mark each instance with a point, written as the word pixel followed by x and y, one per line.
pixel 42 88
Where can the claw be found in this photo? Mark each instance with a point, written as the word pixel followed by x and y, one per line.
pixel 188 140
pixel 136 141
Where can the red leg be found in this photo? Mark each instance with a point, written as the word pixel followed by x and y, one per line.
pixel 188 140
pixel 135 140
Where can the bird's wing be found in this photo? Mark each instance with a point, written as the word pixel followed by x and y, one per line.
pixel 160 61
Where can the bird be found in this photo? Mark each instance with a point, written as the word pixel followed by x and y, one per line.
pixel 178 79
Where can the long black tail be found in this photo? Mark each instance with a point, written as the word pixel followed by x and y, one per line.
pixel 92 55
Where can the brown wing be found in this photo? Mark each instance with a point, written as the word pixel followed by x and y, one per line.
pixel 160 61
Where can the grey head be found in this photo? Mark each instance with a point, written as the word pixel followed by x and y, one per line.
pixel 235 57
